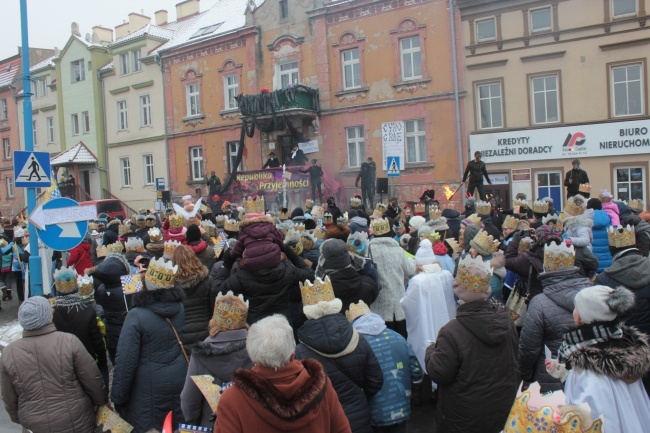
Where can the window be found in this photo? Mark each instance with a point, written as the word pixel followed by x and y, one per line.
pixel 49 125
pixel 196 162
pixel 549 184
pixel 289 74
pixel 284 9
pixel 85 122
pixel 3 109
pixel 489 105
pixel 122 116
pixel 145 110
pixel 193 103
pixel 233 149
pixel 78 73
pixel 74 123
pixel 630 183
pixel 351 69
pixel 545 98
pixel 137 66
pixel 130 62
pixel 627 90
pixel 10 187
pixel 147 163
pixel 6 146
pixel 486 30
pixel 230 90
pixel 34 133
pixel 356 146
pixel 125 170
pixel 540 20
pixel 416 141
pixel 410 56
pixel 621 8
pixel 124 64
pixel 40 87
pixel 205 30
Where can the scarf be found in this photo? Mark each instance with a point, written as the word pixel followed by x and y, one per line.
pixel 586 336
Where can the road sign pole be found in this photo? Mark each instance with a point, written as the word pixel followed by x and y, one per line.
pixel 35 275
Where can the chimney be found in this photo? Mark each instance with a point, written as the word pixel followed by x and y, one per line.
pixel 121 30
pixel 161 17
pixel 187 8
pixel 104 34
pixel 137 21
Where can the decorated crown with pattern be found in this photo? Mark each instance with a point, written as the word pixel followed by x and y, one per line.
pixel 358 243
pixel 308 240
pixel 524 244
pixel 318 291
pixel 319 233
pixel 576 205
pixel 123 229
pixel 176 221
pixel 621 237
pixel 134 244
pixel 342 220
pixel 485 243
pixel 150 221
pixel 102 251
pixel 474 274
pixel 231 225
pixel 540 206
pixel 434 213
pixel 160 274
pixel 432 236
pixel 294 241
pixel 65 280
pixel 559 256
pixel 115 248
pixel 475 219
pixel 510 223
pixel 230 312
pixel 155 234
pixel 357 310
pixel 317 212
pixel 380 226
pixel 381 207
pixel 636 205
pixel 169 247
pixel 309 203
pixel 584 187
pixel 419 209
pixel 523 204
pixel 86 286
pixel 284 214
pixel 300 227
pixel 209 228
pixel 482 208
pixel 328 218
pixel 254 205
pixel 552 219
pixel 454 244
pixel 355 202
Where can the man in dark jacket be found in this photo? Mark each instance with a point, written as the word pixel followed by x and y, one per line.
pixel 297 157
pixel 476 171
pixel 574 178
pixel 315 178
pixel 367 177
pixel 214 183
pixel 272 162
pixel 393 209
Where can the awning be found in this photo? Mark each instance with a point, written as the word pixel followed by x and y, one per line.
pixel 77 155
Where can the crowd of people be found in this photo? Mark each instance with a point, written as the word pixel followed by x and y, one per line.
pixel 327 320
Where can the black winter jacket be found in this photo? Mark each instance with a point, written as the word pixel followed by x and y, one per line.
pixel 150 371
pixel 578 176
pixel 351 287
pixel 198 307
pixel 110 295
pixel 453 221
pixel 549 317
pixel 525 263
pixel 356 376
pixel 476 171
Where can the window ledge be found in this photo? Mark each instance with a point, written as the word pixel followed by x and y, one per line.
pixel 146 127
pixel 231 113
pixel 419 165
pixel 349 170
pixel 195 182
pixel 411 86
pixel 194 120
pixel 352 94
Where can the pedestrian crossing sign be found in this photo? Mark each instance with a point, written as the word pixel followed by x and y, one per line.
pixel 32 169
pixel 392 162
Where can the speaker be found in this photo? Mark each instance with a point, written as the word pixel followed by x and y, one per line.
pixel 382 185
pixel 166 196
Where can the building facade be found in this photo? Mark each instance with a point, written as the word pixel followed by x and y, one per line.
pixel 558 80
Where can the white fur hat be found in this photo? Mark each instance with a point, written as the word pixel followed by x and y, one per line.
pixel 424 255
pixel 417 221
pixel 602 303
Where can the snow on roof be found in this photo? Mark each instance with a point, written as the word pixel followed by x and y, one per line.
pixel 45 63
pixel 152 30
pixel 9 71
pixel 78 154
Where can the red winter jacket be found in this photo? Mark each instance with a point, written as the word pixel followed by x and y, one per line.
pixel 79 257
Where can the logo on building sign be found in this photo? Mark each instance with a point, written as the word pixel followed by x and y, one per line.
pixel 574 144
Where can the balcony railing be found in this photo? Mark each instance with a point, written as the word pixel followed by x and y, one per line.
pixel 297 97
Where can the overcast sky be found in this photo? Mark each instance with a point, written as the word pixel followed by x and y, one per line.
pixel 49 20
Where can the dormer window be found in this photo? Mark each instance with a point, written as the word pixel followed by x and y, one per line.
pixel 205 30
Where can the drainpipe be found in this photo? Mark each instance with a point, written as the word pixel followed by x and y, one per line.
pixel 108 178
pixel 459 140
pixel 158 61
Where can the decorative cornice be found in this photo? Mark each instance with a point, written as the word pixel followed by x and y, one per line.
pixel 283 40
pixel 626 44
pixel 544 56
pixel 142 85
pixel 229 114
pixel 411 86
pixel 138 141
pixel 120 90
pixel 207 51
pixel 493 64
pixel 352 94
pixel 193 120
pixel 48 108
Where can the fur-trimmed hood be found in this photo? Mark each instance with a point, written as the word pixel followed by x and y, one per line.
pixel 192 280
pixel 204 348
pixel 627 361
pixel 584 220
pixel 263 219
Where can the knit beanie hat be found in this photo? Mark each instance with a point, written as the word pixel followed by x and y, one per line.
pixel 35 313
pixel 298 215
pixel 193 233
pixel 425 255
pixel 334 255
pixel 470 231
pixel 602 303
pixel 594 203
pixel 548 234
pixel 416 222
pixel 110 237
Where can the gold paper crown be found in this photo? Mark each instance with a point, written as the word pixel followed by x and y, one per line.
pixel 169 247
pixel 134 244
pixel 299 227
pixel 160 274
pixel 356 310
pixel 474 274
pixel 432 236
pixel 102 251
pixel 520 203
pixel 230 311
pixel 92 226
pixel 482 207
pixel 584 187
pixel 485 243
pixel 475 219
pixel 636 205
pixel 381 207
pixel 376 214
pixel 319 233
pixel 328 218
pixel 254 205
pixel 176 221
pixel 231 225
pixel 524 418
pixel 524 244
pixel 115 247
pixel 65 280
pixel 454 244
pixel 284 215
pixel 150 221
pixel 419 209
pixel 620 237
pixel 209 227
pixel 540 206
pixel 317 212
pixel 86 286
pixel 155 234
pixel 309 203
pixel 123 229
pixel 558 257
pixel 319 291
pixel 355 202
pixel 380 226
pixel 510 223
pixel 293 236
pixel 576 205
pixel 434 213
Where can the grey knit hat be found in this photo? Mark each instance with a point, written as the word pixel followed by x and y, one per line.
pixel 35 313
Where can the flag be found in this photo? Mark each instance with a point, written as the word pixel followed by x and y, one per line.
pixel 53 190
pixel 131 283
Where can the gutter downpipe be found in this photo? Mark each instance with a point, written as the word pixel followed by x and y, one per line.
pixel 459 140
pixel 108 177
pixel 158 61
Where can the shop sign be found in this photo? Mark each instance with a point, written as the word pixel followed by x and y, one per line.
pixel 392 141
pixel 567 142
pixel 520 175
pixel 269 180
pixel 499 178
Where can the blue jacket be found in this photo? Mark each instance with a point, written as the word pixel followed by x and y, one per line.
pixel 600 244
pixel 392 404
pixel 7 256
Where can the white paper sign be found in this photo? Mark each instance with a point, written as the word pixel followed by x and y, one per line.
pixel 309 147
pixel 392 141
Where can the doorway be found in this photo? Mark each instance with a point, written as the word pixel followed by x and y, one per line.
pixel 285 142
pixel 549 184
pixel 501 193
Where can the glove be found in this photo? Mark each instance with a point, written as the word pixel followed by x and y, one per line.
pixel 555 369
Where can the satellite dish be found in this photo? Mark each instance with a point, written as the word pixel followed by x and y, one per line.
pixel 87 37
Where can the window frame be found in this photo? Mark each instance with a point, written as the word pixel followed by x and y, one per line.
pixel 49 130
pixel 629 166
pixel 416 134
pixel 478 116
pixel 227 88
pixel 412 51
pixel 284 9
pixel 148 169
pixel 85 122
pixel 626 15
pixel 82 69
pixel 6 148
pixel 136 55
pixel 34 133
pixel 196 159
pixel 188 99
pixel 74 123
pixel 612 88
pixel 532 93
pixel 359 141
pixel 40 87
pixel 122 115
pixel 145 110
pixel 352 63
pixel 289 72
pixel 125 172
pixel 4 110
pixel 11 190
pixel 530 19
pixel 232 155
pixel 125 60
pixel 476 29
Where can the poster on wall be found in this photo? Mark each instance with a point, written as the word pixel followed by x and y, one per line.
pixel 392 142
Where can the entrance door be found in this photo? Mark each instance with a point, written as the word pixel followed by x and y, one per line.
pixel 549 184
pixel 499 192
pixel 286 141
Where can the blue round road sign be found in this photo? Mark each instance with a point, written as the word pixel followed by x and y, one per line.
pixel 63 236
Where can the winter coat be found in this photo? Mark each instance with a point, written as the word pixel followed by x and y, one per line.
pixel 218 356
pixel 259 244
pixel 198 307
pixel 79 257
pixel 174 234
pixel 7 256
pixel 549 317
pixel 392 404
pixel 476 171
pixel 156 249
pixel 358 224
pixel 335 212
pixel 349 361
pixel 612 210
pixel 393 268
pixel 299 399
pixel 204 252
pixel 150 371
pixel 66 401
pixel 631 270
pixel 350 287
pixel 578 176
pixel 600 243
pixel 453 221
pixel 312 255
pixel 267 290
pixel 528 262
pixel 641 231
pixel 578 229
pixel 474 363
pixel 110 295
pixel 75 317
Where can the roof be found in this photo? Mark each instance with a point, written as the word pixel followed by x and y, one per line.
pixel 9 71
pixel 45 63
pixel 78 154
pixel 164 32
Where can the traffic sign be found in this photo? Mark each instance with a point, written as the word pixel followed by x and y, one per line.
pixel 62 223
pixel 160 183
pixel 393 166
pixel 32 169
